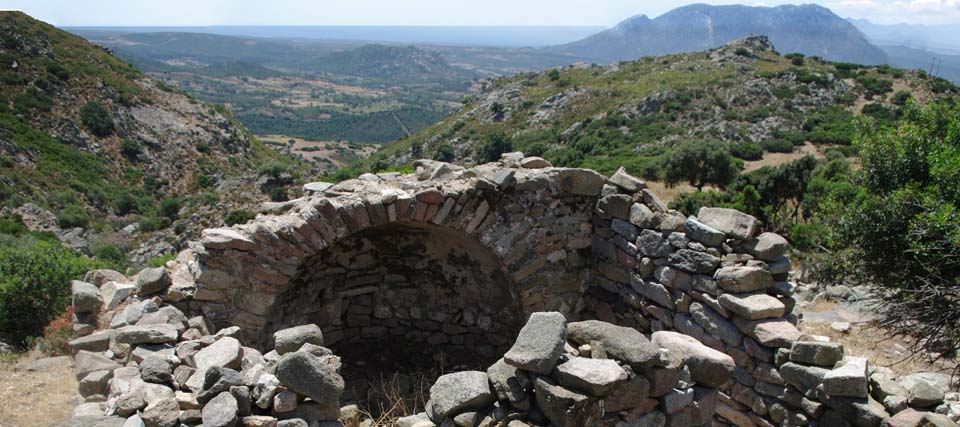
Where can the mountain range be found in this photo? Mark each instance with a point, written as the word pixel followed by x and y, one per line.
pixel 809 29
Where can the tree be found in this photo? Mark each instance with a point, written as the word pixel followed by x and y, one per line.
pixel 700 163
pixel 903 232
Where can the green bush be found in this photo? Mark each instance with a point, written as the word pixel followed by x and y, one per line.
pixel 747 151
pixel 130 149
pixel 444 153
pixel 73 216
pixel 778 146
pixel 278 194
pixel 170 208
pixel 35 287
pixel 154 224
pixel 97 119
pixel 111 254
pixel 496 146
pixel 900 98
pixel 238 217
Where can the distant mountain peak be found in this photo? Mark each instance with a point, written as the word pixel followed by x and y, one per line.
pixel 807 28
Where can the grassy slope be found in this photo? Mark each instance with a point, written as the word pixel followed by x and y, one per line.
pixel 727 93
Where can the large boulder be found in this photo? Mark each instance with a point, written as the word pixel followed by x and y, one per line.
pixel 767 247
pixel 291 339
pixel 225 352
pixel 622 343
pixel 539 343
pixel 86 297
pixel 731 222
pixel 152 280
pixel 459 392
pixel 707 366
pixel 311 376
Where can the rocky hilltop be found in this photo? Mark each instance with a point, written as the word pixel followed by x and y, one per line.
pixel 809 29
pixel 631 113
pixel 90 139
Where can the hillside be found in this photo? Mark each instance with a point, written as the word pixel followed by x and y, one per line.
pixel 630 114
pixel 104 148
pixel 809 29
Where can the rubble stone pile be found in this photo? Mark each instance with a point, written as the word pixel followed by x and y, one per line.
pixel 625 312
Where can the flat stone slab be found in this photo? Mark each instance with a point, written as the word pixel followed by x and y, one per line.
pixel 753 306
pixel 147 334
pixel 539 344
pixel 769 332
pixel 732 222
pixel 707 366
pixel 743 279
pixel 817 353
pixel 625 344
pixel 593 376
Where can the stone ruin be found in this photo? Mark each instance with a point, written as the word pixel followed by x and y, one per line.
pixel 579 300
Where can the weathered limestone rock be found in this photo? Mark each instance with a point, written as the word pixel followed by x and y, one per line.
pixel 801 376
pixel 458 392
pixel 581 182
pixel 225 238
pixel 694 261
pixel 86 362
pixel 769 332
pixel 162 413
pixel 539 344
pixel 753 306
pixel 291 339
pixel 707 366
pixel 622 343
pixel 627 182
pixel 534 162
pixel 508 382
pixel 923 390
pixel 96 342
pixel 594 376
pixel 113 293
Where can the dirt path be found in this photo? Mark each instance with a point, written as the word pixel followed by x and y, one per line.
pixel 43 397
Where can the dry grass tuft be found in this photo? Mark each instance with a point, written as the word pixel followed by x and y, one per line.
pixel 36 399
pixel 394 397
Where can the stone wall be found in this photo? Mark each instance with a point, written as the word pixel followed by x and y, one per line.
pixel 450 261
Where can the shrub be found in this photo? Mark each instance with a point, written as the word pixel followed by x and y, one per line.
pixel 97 119
pixel 444 153
pixel 35 287
pixel 278 194
pixel 206 181
pixel 778 146
pixel 130 149
pixel 203 148
pixel 238 217
pixel 153 223
pixel 56 336
pixel 170 208
pixel 73 216
pixel 491 151
pixel 273 169
pixel 795 58
pixel 900 98
pixel 554 75
pixel 111 254
pixel 742 51
pixel 747 151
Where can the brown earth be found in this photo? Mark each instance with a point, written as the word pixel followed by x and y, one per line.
pixel 41 398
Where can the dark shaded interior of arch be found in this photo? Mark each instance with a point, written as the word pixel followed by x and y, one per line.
pixel 408 299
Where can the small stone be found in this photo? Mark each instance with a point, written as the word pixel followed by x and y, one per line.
pixel 162 413
pixel 534 163
pixel 841 327
pixel 156 370
pixel 539 343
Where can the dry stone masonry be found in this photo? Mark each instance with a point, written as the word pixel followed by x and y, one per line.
pixel 582 298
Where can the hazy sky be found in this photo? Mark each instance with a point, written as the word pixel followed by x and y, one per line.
pixel 426 12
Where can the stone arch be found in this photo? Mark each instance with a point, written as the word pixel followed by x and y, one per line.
pixel 534 224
